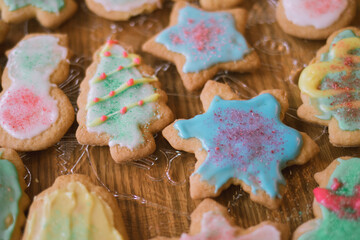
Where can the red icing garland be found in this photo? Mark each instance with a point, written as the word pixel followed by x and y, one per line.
pixel 344 206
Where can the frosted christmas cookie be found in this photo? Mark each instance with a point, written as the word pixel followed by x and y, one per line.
pixel 241 142
pixel 34 112
pixel 13 199
pixel 330 88
pixel 74 208
pixel 49 13
pixel 202 43
pixel 121 104
pixel 210 220
pixel 314 19
pixel 337 203
pixel 119 10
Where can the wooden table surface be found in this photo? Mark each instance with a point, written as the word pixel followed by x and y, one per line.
pixel 153 193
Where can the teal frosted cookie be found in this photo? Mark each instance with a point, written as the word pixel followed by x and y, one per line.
pixel 201 43
pixel 336 204
pixel 241 142
pixel 121 104
pixel 12 197
pixel 49 13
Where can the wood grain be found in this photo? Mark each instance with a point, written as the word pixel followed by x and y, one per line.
pixel 153 194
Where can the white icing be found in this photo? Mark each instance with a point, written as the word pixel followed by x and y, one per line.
pixel 215 226
pixel 317 13
pixel 26 108
pixel 125 5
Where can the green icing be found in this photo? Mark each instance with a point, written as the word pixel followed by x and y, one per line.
pixel 348 118
pixel 53 6
pixel 124 129
pixel 10 194
pixel 331 227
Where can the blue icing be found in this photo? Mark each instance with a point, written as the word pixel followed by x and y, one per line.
pixel 244 140
pixel 204 38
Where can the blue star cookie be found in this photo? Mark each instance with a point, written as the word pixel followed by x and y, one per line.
pixel 242 142
pixel 200 43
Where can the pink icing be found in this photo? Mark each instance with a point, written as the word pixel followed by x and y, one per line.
pixel 317 13
pixel 23 113
pixel 214 226
pixel 340 204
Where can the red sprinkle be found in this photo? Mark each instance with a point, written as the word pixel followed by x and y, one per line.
pixel 112 93
pixel 103 76
pixel 137 60
pixel 141 102
pixel 125 54
pixel 120 68
pixel 107 54
pixel 348 61
pixel 103 118
pixel 130 82
pixel 95 100
pixel 112 42
pixel 123 110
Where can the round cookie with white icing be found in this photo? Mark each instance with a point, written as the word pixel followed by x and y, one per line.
pixel 74 208
pixel 49 13
pixel 34 112
pixel 121 104
pixel 13 199
pixel 210 220
pixel 120 10
pixel 314 19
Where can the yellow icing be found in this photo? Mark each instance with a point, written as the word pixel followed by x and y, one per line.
pixel 71 213
pixel 312 75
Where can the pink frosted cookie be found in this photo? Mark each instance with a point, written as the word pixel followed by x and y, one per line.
pixel 314 19
pixel 34 112
pixel 210 220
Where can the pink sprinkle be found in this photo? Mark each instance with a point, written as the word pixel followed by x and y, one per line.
pixel 141 102
pixel 103 118
pixel 112 93
pixel 123 110
pixel 96 100
pixel 120 68
pixel 102 76
pixel 130 82
pixel 217 148
pixel 125 54
pixel 336 184
pixel 137 60
pixel 107 54
pixel 110 42
pixel 357 204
